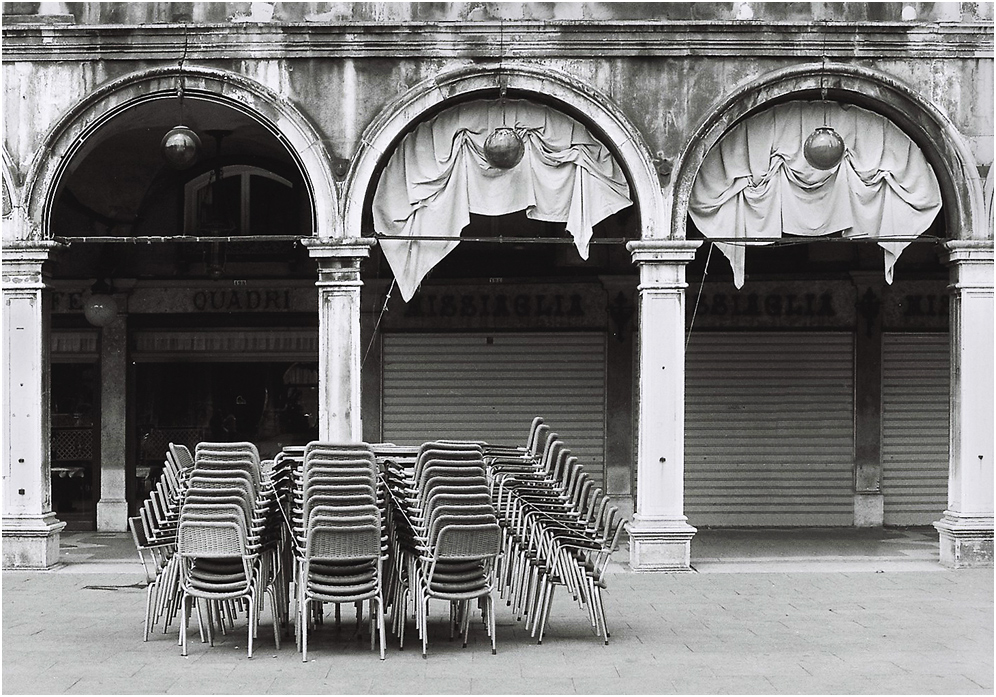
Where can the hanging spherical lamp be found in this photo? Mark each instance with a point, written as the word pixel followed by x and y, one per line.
pixel 824 148
pixel 180 147
pixel 100 308
pixel 504 148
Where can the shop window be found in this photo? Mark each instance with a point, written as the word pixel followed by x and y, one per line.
pixel 239 200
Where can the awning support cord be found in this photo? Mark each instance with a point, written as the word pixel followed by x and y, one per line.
pixel 373 337
pixel 705 272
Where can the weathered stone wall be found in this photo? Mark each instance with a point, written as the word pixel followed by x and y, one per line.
pixel 667 66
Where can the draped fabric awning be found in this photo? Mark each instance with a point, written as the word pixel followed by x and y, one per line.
pixel 439 175
pixel 755 185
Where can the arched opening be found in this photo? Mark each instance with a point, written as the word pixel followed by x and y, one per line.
pixel 513 322
pixel 213 328
pixel 817 393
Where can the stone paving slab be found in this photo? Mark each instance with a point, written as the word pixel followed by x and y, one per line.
pixel 77 630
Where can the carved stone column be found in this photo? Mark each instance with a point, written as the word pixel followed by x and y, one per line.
pixel 869 503
pixel 660 536
pixel 30 529
pixel 339 351
pixel 112 508
pixel 966 530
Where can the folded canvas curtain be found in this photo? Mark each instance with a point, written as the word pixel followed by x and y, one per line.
pixel 756 185
pixel 439 175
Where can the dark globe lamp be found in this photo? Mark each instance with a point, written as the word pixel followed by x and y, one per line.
pixel 180 147
pixel 100 308
pixel 504 148
pixel 824 148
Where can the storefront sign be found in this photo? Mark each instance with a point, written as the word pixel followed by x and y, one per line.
pixel 916 305
pixel 233 296
pixel 500 306
pixel 817 304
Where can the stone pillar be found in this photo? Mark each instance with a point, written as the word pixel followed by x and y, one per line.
pixel 869 503
pixel 619 455
pixel 966 530
pixel 660 536
pixel 112 508
pixel 30 529
pixel 339 351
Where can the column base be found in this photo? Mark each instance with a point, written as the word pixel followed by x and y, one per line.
pixel 660 545
pixel 31 542
pixel 965 542
pixel 869 510
pixel 112 515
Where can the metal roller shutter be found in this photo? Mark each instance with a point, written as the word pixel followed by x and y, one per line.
pixel 769 437
pixel 490 386
pixel 915 423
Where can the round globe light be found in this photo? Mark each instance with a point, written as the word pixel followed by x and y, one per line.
pixel 824 148
pixel 180 147
pixel 504 148
pixel 100 310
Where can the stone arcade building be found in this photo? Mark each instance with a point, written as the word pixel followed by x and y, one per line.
pixel 724 333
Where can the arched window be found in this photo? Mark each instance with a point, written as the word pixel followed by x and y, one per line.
pixel 239 200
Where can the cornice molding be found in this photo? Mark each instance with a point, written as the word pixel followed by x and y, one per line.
pixel 518 40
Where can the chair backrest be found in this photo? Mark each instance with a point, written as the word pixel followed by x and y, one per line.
pixel 474 541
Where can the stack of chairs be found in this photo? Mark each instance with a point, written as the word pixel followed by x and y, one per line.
pixel 154 534
pixel 558 530
pixel 228 541
pixel 446 535
pixel 337 519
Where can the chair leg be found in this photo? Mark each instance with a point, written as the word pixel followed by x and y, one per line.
pixel 380 622
pixel 491 621
pixel 148 610
pixel 545 612
pixel 466 621
pixel 183 626
pixel 305 602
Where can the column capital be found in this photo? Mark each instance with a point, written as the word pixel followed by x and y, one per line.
pixel 340 248
pixel 663 251
pixel 23 261
pixel 971 263
pixel 960 251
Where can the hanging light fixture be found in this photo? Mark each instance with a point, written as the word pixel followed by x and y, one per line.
pixel 180 146
pixel 503 147
pixel 100 308
pixel 824 148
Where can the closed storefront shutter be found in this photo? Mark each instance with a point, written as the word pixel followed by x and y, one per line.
pixel 490 386
pixel 769 437
pixel 915 413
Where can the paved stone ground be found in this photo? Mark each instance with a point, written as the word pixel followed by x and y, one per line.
pixel 768 613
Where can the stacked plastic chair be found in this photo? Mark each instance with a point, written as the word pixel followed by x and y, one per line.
pixel 340 544
pixel 154 534
pixel 558 529
pixel 228 540
pixel 447 535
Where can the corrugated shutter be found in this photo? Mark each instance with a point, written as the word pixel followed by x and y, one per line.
pixel 491 386
pixel 769 437
pixel 915 423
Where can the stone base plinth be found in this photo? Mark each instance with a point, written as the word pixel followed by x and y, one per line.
pixel 31 542
pixel 660 545
pixel 965 542
pixel 869 510
pixel 112 515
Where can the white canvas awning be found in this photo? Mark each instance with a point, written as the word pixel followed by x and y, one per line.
pixel 439 175
pixel 755 185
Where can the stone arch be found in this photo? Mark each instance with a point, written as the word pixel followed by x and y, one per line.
pixel 593 107
pixel 229 89
pixel 941 143
pixel 11 193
